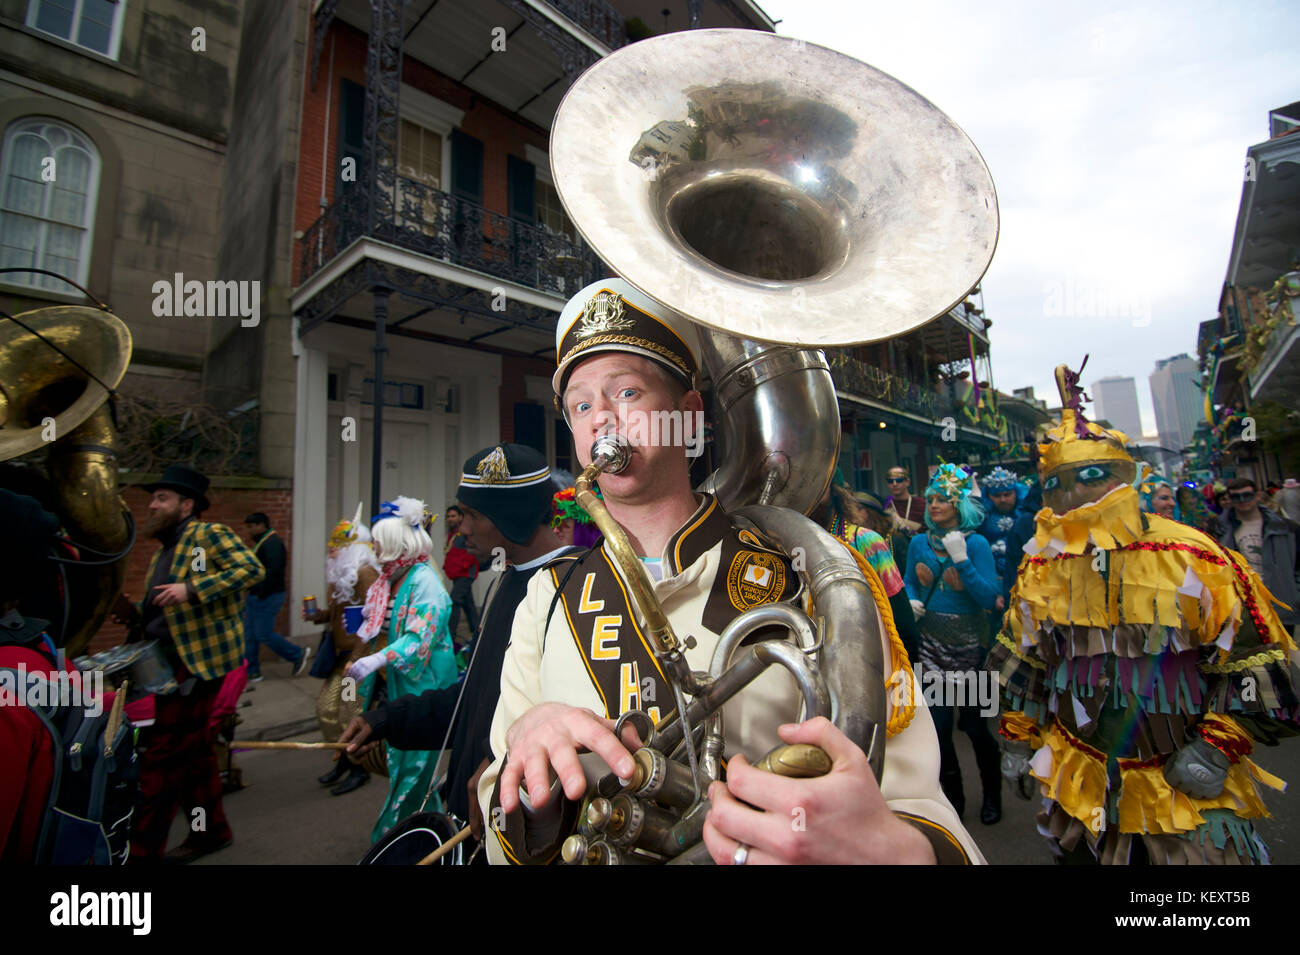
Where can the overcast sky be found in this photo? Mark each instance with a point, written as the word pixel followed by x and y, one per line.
pixel 1116 134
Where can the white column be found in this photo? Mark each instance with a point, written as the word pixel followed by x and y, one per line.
pixel 353 384
pixel 310 522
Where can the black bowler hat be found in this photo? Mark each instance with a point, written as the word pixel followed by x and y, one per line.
pixel 185 481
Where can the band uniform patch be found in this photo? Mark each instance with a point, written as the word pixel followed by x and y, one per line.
pixel 754 579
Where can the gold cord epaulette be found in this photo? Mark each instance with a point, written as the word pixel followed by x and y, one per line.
pixel 900 712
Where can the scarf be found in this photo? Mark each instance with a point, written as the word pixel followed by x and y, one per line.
pixel 377 595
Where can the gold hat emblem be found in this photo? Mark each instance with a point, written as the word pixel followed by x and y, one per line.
pixel 604 313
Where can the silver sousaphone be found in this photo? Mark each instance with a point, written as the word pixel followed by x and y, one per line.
pixel 787 198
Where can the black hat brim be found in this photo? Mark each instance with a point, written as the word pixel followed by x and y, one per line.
pixel 200 499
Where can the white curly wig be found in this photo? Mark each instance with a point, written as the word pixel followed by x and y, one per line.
pixel 398 532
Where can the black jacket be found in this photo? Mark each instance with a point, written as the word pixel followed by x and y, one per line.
pixel 420 722
pixel 1278 559
pixel 270 551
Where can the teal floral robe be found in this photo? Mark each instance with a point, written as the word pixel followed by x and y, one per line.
pixel 420 657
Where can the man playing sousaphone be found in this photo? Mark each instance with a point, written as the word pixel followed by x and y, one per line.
pixel 579 660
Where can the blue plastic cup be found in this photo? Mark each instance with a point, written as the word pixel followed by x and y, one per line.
pixel 352 618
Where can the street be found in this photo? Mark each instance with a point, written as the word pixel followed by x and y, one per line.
pixel 284 817
pixel 1015 841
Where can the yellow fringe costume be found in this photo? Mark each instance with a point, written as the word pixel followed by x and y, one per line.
pixel 1128 636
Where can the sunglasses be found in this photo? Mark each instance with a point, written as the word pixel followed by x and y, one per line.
pixel 1242 496
pixel 896 480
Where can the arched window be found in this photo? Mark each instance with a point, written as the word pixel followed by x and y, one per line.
pixel 49 181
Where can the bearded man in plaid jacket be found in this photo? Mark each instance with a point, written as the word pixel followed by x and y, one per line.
pixel 193 607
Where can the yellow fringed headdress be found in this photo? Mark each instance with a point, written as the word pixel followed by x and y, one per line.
pixel 1076 440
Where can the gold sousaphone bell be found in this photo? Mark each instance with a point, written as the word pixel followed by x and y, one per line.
pixel 58 401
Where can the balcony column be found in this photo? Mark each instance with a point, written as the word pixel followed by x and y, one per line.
pixel 321 20
pixel 383 86
pixel 377 446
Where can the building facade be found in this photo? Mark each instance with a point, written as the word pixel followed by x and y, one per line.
pixel 148 155
pixel 431 254
pixel 1116 400
pixel 1176 396
pixel 379 169
pixel 1250 353
pixel 919 400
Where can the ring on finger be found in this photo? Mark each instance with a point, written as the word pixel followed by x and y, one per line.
pixel 741 855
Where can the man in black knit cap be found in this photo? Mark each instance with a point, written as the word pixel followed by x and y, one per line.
pixel 505 497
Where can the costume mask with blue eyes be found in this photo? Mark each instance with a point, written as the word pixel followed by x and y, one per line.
pixel 1084 482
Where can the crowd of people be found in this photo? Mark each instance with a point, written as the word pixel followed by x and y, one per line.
pixel 1123 617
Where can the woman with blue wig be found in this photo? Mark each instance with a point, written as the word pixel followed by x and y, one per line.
pixel 952 583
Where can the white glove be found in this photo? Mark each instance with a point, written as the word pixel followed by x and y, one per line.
pixel 367 665
pixel 954 542
pixel 918 609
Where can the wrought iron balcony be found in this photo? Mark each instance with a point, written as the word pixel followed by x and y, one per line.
pixel 861 378
pixel 435 223
pixel 597 17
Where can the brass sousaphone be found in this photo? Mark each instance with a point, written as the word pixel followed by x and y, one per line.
pixel 786 198
pixel 54 378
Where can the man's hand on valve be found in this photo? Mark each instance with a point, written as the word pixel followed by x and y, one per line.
pixel 547 740
pixel 839 818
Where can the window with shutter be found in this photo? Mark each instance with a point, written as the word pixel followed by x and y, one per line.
pixel 352 131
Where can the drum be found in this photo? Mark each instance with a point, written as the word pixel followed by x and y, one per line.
pixel 414 838
pixel 142 663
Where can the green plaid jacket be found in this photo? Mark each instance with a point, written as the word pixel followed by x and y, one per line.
pixel 208 630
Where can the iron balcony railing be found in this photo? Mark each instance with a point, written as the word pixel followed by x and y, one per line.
pixel 435 223
pixel 861 378
pixel 597 17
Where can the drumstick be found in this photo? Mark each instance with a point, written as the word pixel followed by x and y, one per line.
pixel 266 744
pixel 446 847
pixel 115 717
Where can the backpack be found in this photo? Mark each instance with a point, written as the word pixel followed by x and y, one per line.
pixel 87 819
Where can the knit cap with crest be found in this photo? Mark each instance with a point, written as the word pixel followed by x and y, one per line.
pixel 511 485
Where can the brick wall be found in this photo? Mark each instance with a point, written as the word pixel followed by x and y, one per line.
pixel 229 506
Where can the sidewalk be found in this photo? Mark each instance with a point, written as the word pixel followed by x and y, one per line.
pixel 279 707
pixel 282 705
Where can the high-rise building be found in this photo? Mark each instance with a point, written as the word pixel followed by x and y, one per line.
pixel 1116 400
pixel 1177 400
